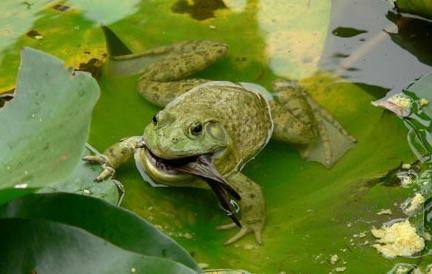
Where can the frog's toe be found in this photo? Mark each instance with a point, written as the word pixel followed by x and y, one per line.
pixel 243 231
pixel 226 226
pixel 106 173
pixel 246 229
pixel 96 159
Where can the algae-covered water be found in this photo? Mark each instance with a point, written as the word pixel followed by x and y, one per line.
pixel 346 54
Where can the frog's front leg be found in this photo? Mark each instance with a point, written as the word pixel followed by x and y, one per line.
pixel 114 156
pixel 252 208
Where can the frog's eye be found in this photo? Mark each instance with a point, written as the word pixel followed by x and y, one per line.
pixel 196 128
pixel 155 119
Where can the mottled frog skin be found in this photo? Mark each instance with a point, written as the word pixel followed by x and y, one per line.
pixel 231 122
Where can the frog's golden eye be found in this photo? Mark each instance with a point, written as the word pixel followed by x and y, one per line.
pixel 196 128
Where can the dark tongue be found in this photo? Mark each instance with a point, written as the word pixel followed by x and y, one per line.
pixel 227 196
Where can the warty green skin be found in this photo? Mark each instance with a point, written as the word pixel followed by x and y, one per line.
pixel 236 123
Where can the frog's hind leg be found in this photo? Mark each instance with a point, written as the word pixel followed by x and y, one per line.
pixel 320 136
pixel 161 93
pixel 165 77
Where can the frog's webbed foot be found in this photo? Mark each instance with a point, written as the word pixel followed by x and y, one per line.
pixel 300 120
pixel 245 229
pixel 107 172
pixel 333 140
pixel 114 156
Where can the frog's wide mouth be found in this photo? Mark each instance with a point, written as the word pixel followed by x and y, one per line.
pixel 169 171
pixel 167 167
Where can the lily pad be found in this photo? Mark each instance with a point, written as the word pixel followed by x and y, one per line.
pixel 40 246
pixel 46 126
pixel 117 226
pixel 420 7
pixel 82 182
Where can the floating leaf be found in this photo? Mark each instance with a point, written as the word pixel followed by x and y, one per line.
pixel 421 7
pixel 82 182
pixel 46 126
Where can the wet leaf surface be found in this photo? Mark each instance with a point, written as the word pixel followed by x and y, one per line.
pixel 420 7
pixel 115 225
pixel 42 246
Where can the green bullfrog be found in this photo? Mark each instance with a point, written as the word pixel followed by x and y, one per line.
pixel 208 130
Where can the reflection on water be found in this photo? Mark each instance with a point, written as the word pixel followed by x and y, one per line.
pixel 372 57
pixel 294 33
pixel 414 35
pixel 105 11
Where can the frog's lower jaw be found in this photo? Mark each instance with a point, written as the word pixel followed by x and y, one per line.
pixel 160 172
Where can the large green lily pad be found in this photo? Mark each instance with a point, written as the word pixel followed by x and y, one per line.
pixel 45 128
pixel 313 212
pixel 46 124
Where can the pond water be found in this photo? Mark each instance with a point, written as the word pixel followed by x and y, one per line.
pixel 346 53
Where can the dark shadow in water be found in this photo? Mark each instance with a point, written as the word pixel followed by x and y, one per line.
pixel 375 91
pixel 384 55
pixel 61 7
pixel 5 97
pixel 114 44
pixel 200 9
pixel 93 66
pixel 413 35
pixel 34 34
pixel 392 177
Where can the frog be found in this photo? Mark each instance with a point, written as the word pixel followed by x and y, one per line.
pixel 207 131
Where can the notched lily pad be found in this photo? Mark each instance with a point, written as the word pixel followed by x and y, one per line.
pixel 46 126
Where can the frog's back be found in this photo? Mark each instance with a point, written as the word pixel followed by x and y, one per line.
pixel 245 114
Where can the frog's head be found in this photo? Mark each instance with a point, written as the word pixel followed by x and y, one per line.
pixel 174 140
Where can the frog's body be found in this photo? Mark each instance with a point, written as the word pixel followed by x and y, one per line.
pixel 230 123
